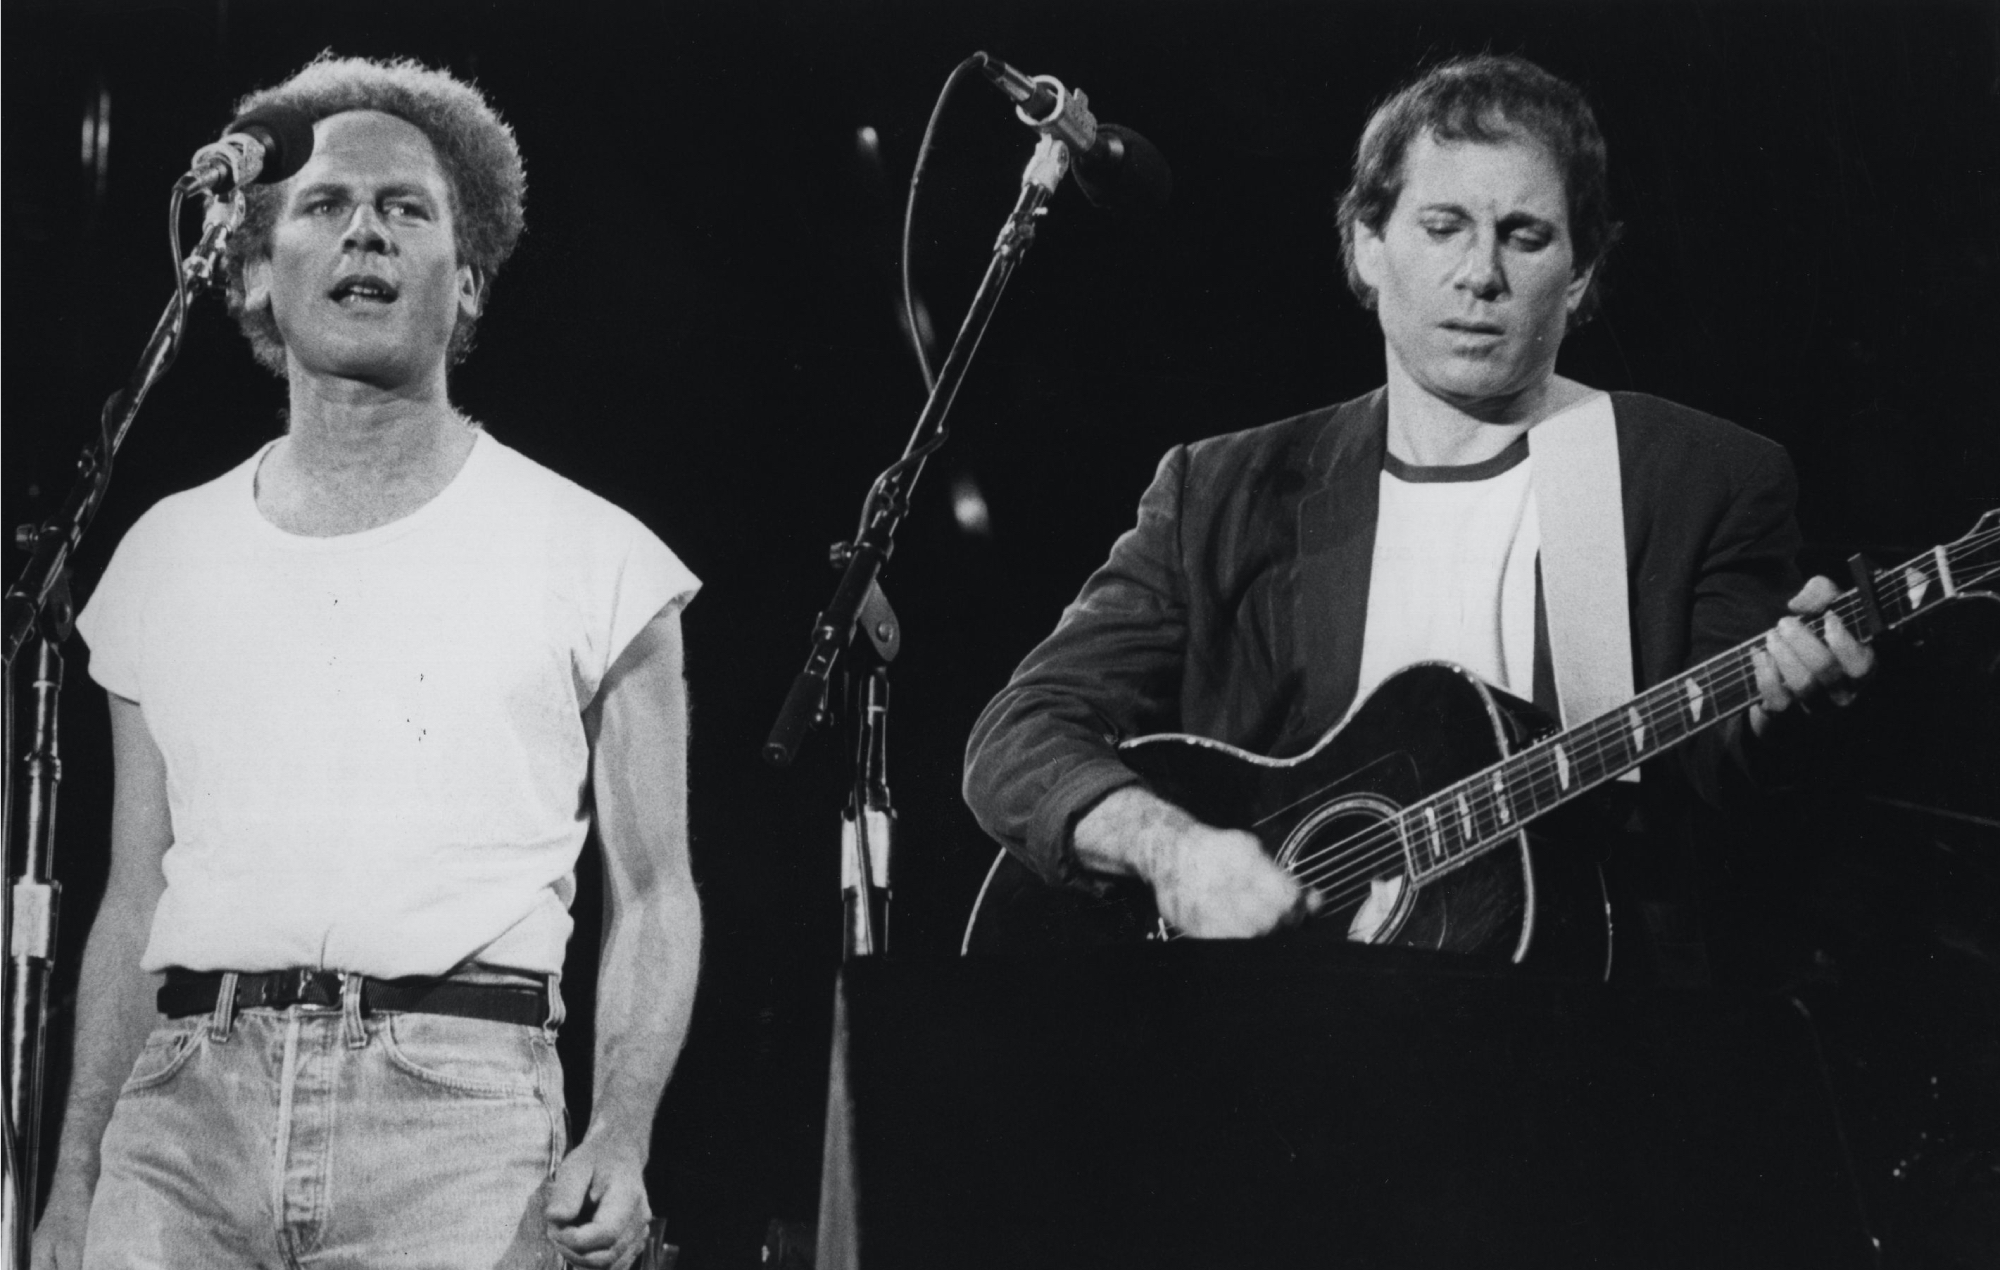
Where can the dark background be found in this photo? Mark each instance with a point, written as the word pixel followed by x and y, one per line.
pixel 701 325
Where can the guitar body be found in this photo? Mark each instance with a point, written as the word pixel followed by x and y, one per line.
pixel 1327 815
pixel 1411 817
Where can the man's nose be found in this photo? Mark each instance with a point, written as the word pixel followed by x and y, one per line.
pixel 366 230
pixel 1481 271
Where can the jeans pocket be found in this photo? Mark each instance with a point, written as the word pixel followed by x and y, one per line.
pixel 473 1057
pixel 167 1049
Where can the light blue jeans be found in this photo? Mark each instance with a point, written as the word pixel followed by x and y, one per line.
pixel 313 1139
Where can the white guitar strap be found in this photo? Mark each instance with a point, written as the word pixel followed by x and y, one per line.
pixel 1580 506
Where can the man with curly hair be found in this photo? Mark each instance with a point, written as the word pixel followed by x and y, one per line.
pixel 369 691
pixel 1277 575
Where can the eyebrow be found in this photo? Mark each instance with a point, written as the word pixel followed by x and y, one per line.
pixel 392 189
pixel 1512 220
pixel 1516 220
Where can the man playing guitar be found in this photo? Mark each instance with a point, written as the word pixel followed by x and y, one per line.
pixel 1277 575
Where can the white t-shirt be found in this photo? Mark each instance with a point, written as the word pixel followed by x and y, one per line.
pixel 1453 577
pixel 374 744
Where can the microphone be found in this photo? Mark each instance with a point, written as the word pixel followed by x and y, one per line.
pixel 1115 167
pixel 265 145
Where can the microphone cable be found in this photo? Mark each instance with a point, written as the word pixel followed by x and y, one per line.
pixel 924 148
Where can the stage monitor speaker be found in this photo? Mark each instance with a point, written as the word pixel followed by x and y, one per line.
pixel 1242 1105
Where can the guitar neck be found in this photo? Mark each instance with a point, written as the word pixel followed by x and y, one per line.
pixel 1480 812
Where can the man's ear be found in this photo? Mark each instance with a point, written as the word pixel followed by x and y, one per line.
pixel 257 284
pixel 1579 287
pixel 471 291
pixel 1368 255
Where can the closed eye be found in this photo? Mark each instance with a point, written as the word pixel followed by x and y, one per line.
pixel 1528 233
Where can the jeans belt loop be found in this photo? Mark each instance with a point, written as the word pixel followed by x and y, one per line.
pixel 350 1011
pixel 556 1011
pixel 223 1019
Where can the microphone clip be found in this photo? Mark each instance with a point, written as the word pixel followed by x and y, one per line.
pixel 1068 118
pixel 222 215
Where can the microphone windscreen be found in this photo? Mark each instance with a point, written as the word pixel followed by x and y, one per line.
pixel 287 136
pixel 1124 171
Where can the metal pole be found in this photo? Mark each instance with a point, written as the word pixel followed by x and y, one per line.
pixel 868 827
pixel 38 604
pixel 871 547
pixel 31 953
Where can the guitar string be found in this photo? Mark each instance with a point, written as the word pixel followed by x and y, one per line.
pixel 1335 870
pixel 1591 743
pixel 1334 867
pixel 1535 779
pixel 1592 740
pixel 1531 785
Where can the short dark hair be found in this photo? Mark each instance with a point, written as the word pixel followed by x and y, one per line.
pixel 475 148
pixel 1489 99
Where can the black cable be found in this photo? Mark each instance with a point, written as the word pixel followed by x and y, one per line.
pixel 924 148
pixel 895 470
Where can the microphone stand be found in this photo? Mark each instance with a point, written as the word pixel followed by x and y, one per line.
pixel 859 594
pixel 868 824
pixel 38 604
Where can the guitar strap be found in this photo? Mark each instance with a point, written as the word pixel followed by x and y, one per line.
pixel 1580 505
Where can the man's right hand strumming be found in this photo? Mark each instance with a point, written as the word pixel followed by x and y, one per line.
pixel 1210 883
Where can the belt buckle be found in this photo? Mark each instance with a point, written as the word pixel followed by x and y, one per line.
pixel 305 986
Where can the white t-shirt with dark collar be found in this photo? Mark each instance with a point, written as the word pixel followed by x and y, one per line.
pixel 1453 575
pixel 374 745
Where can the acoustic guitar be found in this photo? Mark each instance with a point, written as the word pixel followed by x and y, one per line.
pixel 1419 817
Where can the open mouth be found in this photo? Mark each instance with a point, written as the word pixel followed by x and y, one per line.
pixel 362 290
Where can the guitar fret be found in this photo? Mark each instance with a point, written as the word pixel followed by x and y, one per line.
pixel 1425 839
pixel 1412 840
pixel 1575 764
pixel 1537 769
pixel 1697 698
pixel 1616 751
pixel 1452 841
pixel 1481 810
pixel 1915 583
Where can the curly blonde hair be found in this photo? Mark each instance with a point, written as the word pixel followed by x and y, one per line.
pixel 474 146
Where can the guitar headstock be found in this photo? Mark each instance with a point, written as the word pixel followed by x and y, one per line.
pixel 1975 558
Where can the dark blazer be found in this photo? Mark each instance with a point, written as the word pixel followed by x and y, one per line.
pixel 1235 608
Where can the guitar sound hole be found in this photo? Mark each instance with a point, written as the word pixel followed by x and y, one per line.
pixel 1349 852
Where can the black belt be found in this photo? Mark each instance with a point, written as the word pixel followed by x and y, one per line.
pixel 194 992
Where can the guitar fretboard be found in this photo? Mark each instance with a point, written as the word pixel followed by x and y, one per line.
pixel 1465 819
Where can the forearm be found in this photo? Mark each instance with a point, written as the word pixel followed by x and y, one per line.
pixel 645 997
pixel 115 1013
pixel 651 955
pixel 1126 832
pixel 1206 881
pixel 1032 772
